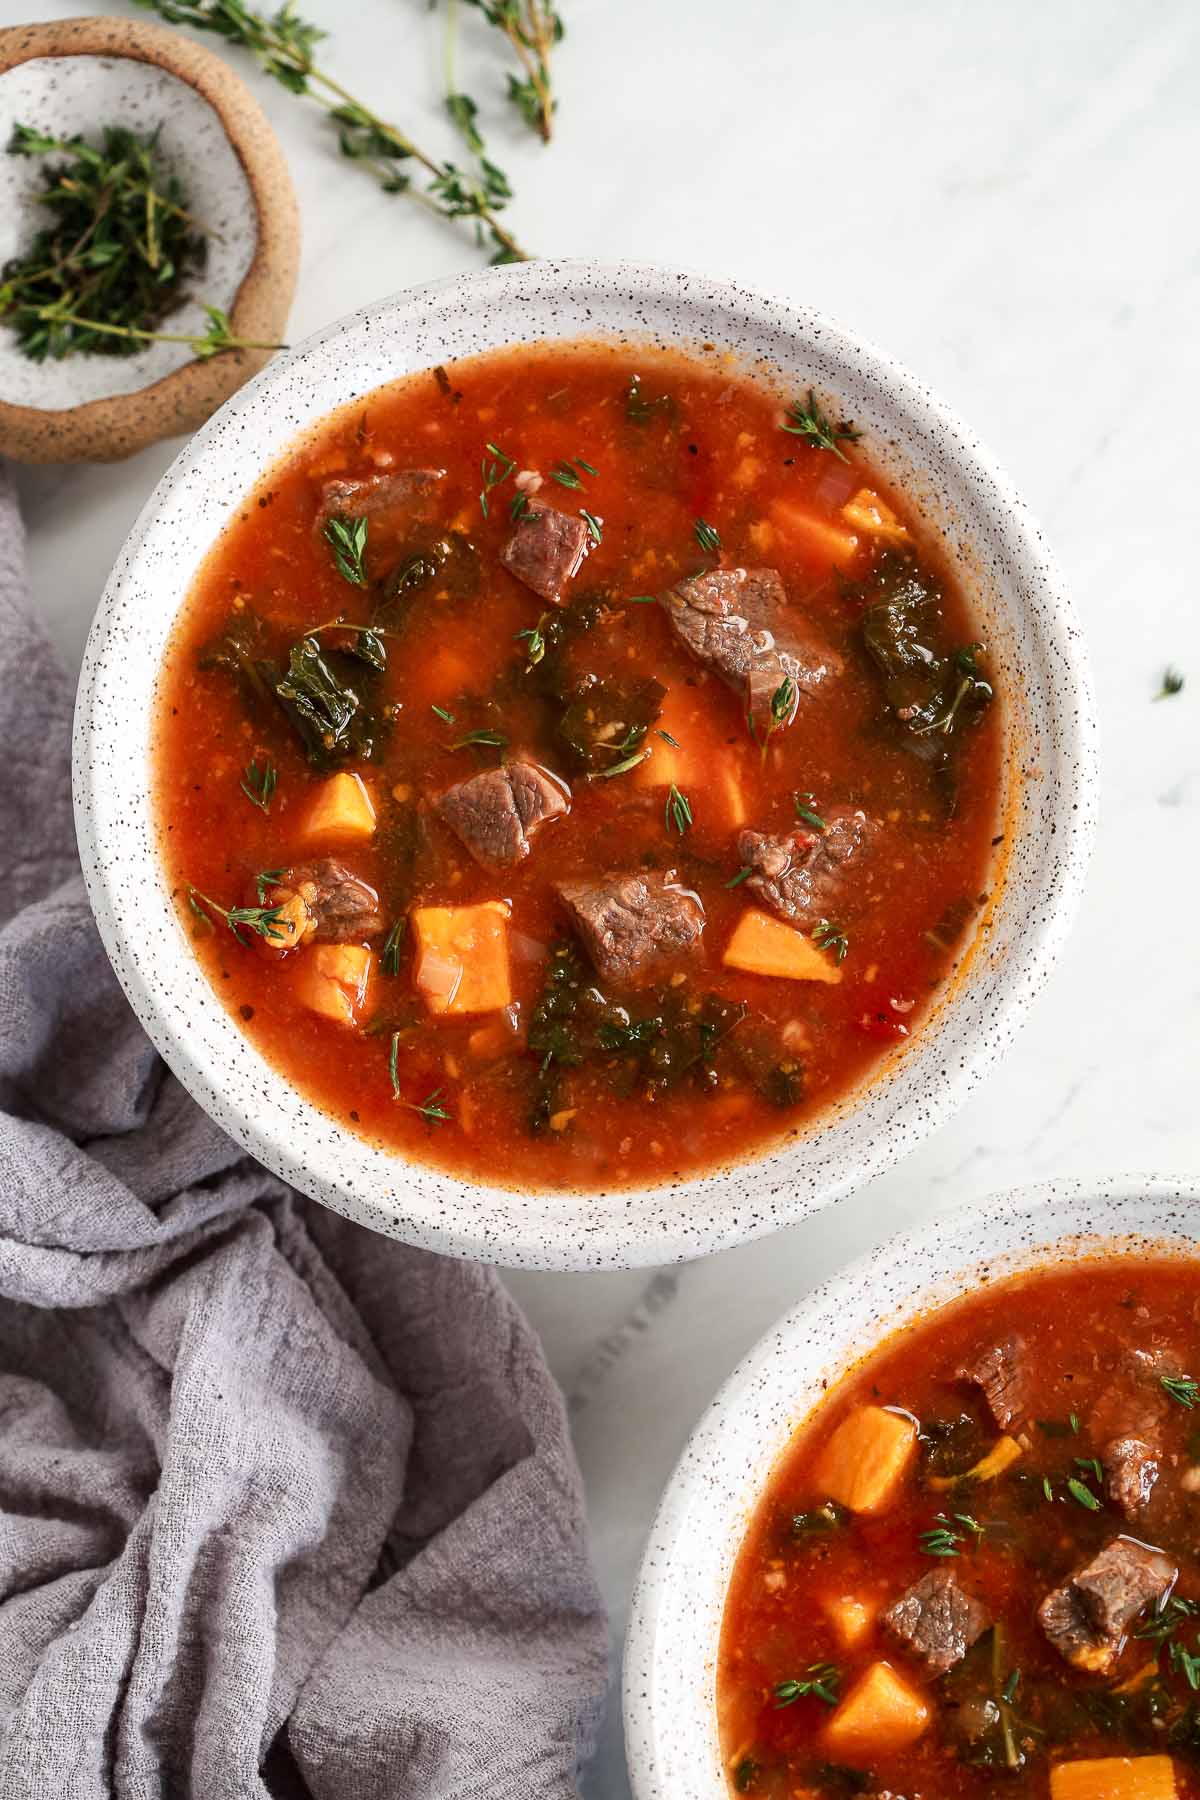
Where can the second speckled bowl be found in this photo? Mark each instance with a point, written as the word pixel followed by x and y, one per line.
pixel 671 1735
pixel 1033 641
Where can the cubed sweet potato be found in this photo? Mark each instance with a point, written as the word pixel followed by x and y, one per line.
pixel 332 979
pixel 763 945
pixel 1114 1778
pixel 688 757
pixel 461 963
pixel 342 809
pixel 850 1619
pixel 881 1713
pixel 866 511
pixel 867 1458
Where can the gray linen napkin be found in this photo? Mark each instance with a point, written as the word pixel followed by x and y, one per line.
pixel 285 1507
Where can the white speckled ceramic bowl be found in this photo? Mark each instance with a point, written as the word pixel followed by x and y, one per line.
pixel 1032 636
pixel 671 1739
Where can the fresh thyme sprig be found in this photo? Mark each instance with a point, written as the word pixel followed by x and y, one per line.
pixel 595 526
pixel 1172 684
pixel 259 785
pixel 347 538
pixel 807 421
pixel 389 956
pixel 284 46
pixel 532 27
pixel 822 1680
pixel 117 258
pixel 430 1108
pixel 805 805
pixel 1182 1388
pixel 264 921
pixel 828 936
pixel 707 536
pixel 495 740
pixel 494 469
pixel 677 813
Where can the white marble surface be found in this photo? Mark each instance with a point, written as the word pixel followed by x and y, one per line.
pixel 1005 198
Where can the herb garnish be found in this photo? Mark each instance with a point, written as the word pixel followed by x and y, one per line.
pixel 284 47
pixel 1170 1613
pixel 737 880
pixel 532 27
pixel 536 645
pixel 493 472
pixel 746 1774
pixel 264 921
pixel 389 956
pixel 1084 1495
pixel 1182 1388
pixel 829 1517
pixel 447 717
pixel 638 409
pixel 117 258
pixel 820 1679
pixel 971 684
pixel 495 739
pixel 1172 683
pixel 1185 1663
pixel 518 506
pixel 594 525
pixel 1091 1467
pixel 641 600
pixel 259 785
pixel 267 879
pixel 619 768
pixel 707 536
pixel 805 805
pixel 810 423
pixel 393 1064
pixel 944 1540
pixel 828 936
pixel 783 703
pixel 430 1108
pixel 567 472
pixel 347 538
pixel 678 811
pixel 667 739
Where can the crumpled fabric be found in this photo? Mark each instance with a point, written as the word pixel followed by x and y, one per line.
pixel 285 1508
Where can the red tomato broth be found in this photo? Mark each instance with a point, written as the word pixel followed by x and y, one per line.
pixel 715 453
pixel 1075 1324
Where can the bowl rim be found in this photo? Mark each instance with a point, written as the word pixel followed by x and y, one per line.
pixel 1043 1209
pixel 465 1229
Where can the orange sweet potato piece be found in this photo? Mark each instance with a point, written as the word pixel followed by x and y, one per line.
pixel 850 1619
pixel 342 809
pixel 763 945
pixel 881 1713
pixel 866 1458
pixel 332 979
pixel 461 963
pixel 867 511
pixel 1114 1778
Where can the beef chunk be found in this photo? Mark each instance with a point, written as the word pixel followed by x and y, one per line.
pixel 628 921
pixel 1130 1472
pixel 546 549
pixel 997 1369
pixel 803 875
pixel 1087 1618
pixel 735 621
pixel 936 1621
pixel 326 903
pixel 392 497
pixel 497 812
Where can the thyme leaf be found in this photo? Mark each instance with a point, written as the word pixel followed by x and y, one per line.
pixel 807 421
pixel 347 538
pixel 259 785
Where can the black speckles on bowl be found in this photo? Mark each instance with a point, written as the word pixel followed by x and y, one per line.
pixel 1032 634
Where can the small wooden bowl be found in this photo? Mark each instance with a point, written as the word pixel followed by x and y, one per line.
pixel 76 76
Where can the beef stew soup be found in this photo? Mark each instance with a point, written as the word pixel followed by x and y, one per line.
pixel 578 769
pixel 975 1568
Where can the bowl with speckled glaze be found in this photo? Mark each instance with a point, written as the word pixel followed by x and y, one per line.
pixel 1033 639
pixel 671 1734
